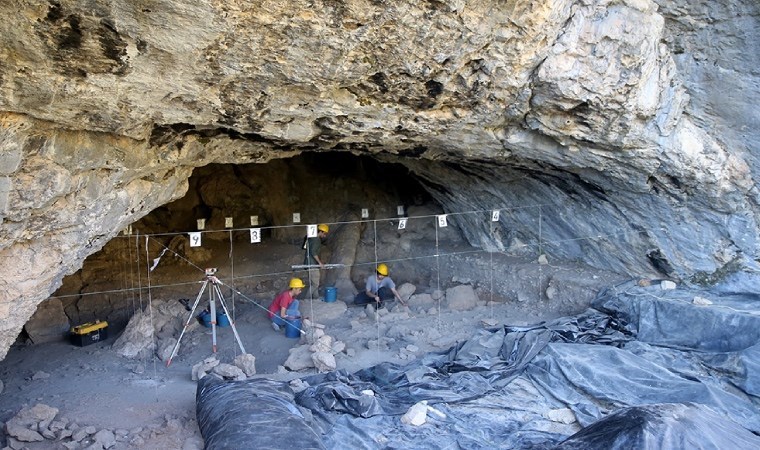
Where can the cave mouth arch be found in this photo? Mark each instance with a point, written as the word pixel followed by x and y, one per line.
pixel 332 187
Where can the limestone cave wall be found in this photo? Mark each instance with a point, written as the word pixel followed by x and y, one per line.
pixel 632 120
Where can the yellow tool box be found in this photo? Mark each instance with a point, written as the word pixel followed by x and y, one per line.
pixel 89 333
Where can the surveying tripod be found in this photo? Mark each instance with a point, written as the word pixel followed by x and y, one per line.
pixel 213 294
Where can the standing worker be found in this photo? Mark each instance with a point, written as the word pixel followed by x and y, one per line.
pixel 312 246
pixel 285 306
pixel 379 287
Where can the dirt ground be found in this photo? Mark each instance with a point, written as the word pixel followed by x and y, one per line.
pixel 148 405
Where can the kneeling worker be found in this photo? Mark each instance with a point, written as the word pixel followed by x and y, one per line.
pixel 379 287
pixel 285 306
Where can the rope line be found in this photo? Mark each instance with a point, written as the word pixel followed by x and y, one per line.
pixel 364 264
pixel 348 222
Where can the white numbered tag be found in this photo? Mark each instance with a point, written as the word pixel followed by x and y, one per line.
pixel 128 231
pixel 228 222
pixel 296 217
pixel 255 235
pixel 195 239
pixel 254 220
pixel 495 216
pixel 201 224
pixel 365 213
pixel 311 230
pixel 400 210
pixel 401 224
pixel 442 223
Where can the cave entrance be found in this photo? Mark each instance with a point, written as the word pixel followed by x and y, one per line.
pixel 362 200
pixel 378 212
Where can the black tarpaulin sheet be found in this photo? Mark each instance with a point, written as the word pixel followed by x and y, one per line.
pixel 251 414
pixel 496 389
pixel 662 426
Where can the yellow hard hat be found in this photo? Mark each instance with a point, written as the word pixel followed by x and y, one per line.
pixel 323 227
pixel 296 283
pixel 382 269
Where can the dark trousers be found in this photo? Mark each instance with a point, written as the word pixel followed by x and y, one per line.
pixel 362 298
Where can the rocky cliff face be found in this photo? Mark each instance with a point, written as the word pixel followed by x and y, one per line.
pixel 632 120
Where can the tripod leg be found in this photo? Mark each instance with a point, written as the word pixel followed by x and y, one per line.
pixel 232 322
pixel 212 308
pixel 190 318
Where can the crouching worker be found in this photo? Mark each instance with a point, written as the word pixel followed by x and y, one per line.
pixel 285 306
pixel 379 287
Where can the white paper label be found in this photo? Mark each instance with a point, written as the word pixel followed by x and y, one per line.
pixel 296 217
pixel 400 210
pixel 365 213
pixel 311 230
pixel 201 224
pixel 401 224
pixel 495 216
pixel 442 223
pixel 255 235
pixel 254 220
pixel 195 239
pixel 228 222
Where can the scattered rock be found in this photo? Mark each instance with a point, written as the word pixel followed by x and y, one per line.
pixel 371 313
pixel 543 260
pixel 299 358
pixel 202 368
pixel 701 301
pixel 644 282
pixel 416 415
pixel 562 415
pixel 79 435
pixel 22 433
pixel 229 372
pixel 461 298
pixel 667 285
pixel 298 385
pixel 73 445
pixel 247 363
pixel 337 347
pixel 40 375
pixel 324 361
pixel 323 344
pixel 48 434
pixel 106 438
pixel 63 434
pixel 406 290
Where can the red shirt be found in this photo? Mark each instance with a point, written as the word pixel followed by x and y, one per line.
pixel 281 301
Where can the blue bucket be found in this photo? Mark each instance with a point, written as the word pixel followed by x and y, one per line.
pixel 293 328
pixel 205 318
pixel 331 294
pixel 222 320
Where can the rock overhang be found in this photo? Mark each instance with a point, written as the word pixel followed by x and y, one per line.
pixel 108 110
